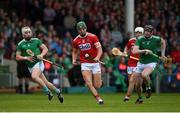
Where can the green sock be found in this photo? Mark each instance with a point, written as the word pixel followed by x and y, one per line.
pixel 45 89
pixel 148 84
pixel 56 90
pixel 140 97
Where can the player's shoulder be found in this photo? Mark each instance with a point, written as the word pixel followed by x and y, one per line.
pixel 91 34
pixel 76 38
pixel 21 42
pixel 34 38
pixel 156 37
pixel 141 38
pixel 133 39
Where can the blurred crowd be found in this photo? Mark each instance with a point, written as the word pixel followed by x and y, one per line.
pixel 53 21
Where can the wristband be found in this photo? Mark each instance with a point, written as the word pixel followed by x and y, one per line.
pixel 25 58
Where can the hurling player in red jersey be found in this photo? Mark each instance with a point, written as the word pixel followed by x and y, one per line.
pixel 132 62
pixel 90 50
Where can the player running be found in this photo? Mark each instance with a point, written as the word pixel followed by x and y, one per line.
pixel 147 45
pixel 132 62
pixel 89 47
pixel 35 65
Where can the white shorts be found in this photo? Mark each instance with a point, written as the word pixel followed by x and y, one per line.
pixel 140 67
pixel 39 65
pixel 130 70
pixel 94 67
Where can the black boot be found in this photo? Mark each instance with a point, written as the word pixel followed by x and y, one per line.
pixel 20 89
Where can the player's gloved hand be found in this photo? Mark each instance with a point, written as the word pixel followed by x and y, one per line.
pixel 164 59
pixel 124 54
pixel 40 57
pixel 30 58
pixel 74 62
pixel 148 51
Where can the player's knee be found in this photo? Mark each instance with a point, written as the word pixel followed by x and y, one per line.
pixel 144 75
pixel 34 77
pixel 98 85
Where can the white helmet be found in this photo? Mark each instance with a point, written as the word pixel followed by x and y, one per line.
pixel 139 29
pixel 25 29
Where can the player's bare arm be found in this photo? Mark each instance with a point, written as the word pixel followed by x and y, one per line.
pixel 44 51
pixel 21 58
pixel 163 50
pixel 74 56
pixel 125 50
pixel 99 54
pixel 163 47
pixel 136 50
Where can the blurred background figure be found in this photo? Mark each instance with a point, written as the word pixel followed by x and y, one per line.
pixel 24 77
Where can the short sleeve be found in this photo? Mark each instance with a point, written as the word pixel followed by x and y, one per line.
pixel 18 48
pixel 39 42
pixel 95 39
pixel 137 43
pixel 74 44
pixel 159 39
pixel 128 45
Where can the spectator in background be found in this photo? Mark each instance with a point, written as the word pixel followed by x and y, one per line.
pixel 36 11
pixel 105 35
pixel 23 75
pixel 178 73
pixel 69 21
pixel 175 53
pixel 49 14
pixel 117 38
pixel 1 50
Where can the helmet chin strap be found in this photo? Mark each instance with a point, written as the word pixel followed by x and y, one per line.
pixel 83 35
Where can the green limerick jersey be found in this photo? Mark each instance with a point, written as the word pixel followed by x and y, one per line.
pixel 153 44
pixel 34 45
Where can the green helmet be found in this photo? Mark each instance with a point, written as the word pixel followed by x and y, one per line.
pixel 81 24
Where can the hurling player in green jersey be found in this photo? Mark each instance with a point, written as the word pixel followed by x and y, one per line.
pixel 145 46
pixel 35 64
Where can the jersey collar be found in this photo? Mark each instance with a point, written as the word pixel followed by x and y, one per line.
pixel 27 40
pixel 148 38
pixel 84 36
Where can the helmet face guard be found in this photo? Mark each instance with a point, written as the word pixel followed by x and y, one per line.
pixel 81 25
pixel 148 31
pixel 81 28
pixel 139 29
pixel 25 29
pixel 26 32
pixel 148 28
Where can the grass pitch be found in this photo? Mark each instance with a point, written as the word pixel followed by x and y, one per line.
pixel 38 102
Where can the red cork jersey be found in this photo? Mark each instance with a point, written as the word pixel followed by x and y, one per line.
pixel 132 62
pixel 86 45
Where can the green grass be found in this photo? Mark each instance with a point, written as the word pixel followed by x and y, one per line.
pixel 86 102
